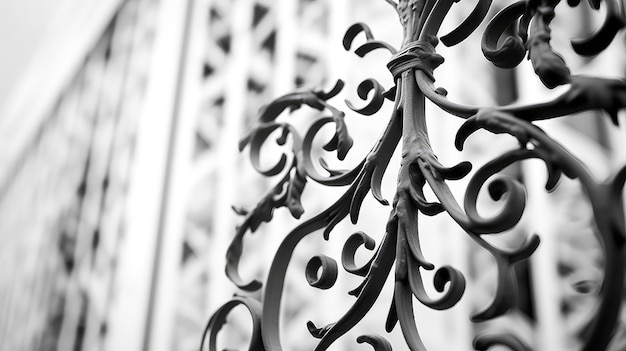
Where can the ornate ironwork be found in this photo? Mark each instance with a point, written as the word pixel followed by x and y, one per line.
pixel 521 29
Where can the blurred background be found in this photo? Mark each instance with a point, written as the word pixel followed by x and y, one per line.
pixel 120 120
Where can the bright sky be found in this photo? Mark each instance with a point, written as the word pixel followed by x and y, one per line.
pixel 22 25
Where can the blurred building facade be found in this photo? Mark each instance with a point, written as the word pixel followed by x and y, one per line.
pixel 121 166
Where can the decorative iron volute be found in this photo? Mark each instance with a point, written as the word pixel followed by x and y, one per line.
pixel 520 30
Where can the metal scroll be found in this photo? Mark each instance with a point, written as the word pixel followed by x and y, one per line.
pixel 520 30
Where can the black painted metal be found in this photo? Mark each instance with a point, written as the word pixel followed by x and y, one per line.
pixel 413 67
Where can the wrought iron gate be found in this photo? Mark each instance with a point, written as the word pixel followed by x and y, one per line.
pixel 520 30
